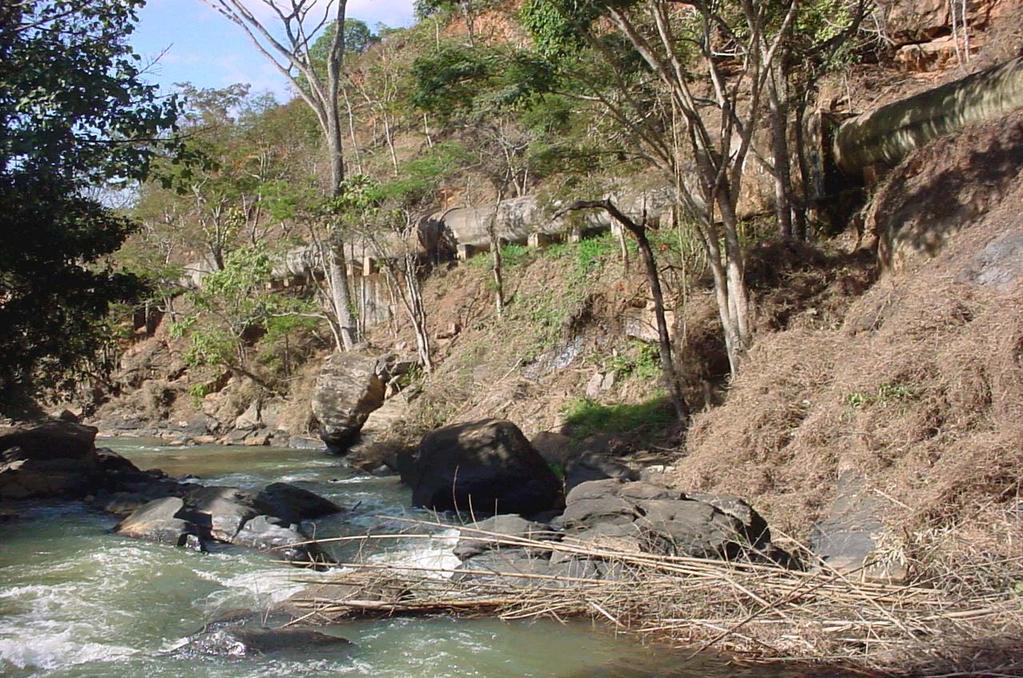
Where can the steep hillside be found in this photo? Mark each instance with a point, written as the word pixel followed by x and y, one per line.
pixel 919 389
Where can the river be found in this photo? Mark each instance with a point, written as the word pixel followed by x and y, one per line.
pixel 76 600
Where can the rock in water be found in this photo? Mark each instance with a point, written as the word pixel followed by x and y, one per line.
pixel 486 467
pixel 264 533
pixel 292 504
pixel 161 521
pixel 225 641
pixel 54 459
pixel 348 389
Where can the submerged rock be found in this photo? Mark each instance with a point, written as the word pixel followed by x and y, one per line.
pixel 220 640
pixel 484 467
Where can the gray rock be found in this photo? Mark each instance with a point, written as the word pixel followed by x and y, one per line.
pixel 348 389
pixel 513 526
pixel 292 504
pixel 227 509
pixel 219 640
pixel 556 448
pixel 753 524
pixel 594 489
pixel 586 513
pixel 503 566
pixel 161 521
pixel 54 459
pixel 846 539
pixel 596 466
pixel 265 533
pixel 690 528
pixel 483 467
pixel 249 419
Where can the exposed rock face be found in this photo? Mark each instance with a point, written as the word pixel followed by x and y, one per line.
pixel 851 531
pixel 663 520
pixel 54 459
pixel 348 389
pixel 626 517
pixel 484 467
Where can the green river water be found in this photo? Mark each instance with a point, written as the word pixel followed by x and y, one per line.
pixel 76 600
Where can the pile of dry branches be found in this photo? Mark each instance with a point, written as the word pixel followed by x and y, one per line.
pixel 761 611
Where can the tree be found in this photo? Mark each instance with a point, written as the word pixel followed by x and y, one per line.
pixel 639 232
pixel 74 115
pixel 712 60
pixel 233 305
pixel 290 54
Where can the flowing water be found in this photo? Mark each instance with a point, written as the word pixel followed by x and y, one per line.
pixel 76 600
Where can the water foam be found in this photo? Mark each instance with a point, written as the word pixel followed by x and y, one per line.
pixel 41 646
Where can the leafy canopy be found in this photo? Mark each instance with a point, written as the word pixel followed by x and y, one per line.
pixel 76 123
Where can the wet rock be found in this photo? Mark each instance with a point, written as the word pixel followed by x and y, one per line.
pixel 227 509
pixel 348 389
pixel 293 504
pixel 227 641
pixel 163 521
pixel 54 459
pixel 504 526
pixel 265 533
pixel 483 467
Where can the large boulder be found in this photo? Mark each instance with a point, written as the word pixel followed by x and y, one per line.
pixel 226 508
pixel 485 467
pixel 654 518
pixel 269 520
pixel 162 520
pixel 348 388
pixel 293 504
pixel 53 459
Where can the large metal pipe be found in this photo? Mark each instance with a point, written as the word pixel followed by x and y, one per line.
pixel 887 135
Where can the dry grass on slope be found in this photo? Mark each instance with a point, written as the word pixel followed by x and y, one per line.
pixel 920 389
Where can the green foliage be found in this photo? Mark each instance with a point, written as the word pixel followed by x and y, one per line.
pixel 76 121
pixel 584 417
pixel 640 360
pixel 233 302
pixel 887 394
pixel 419 178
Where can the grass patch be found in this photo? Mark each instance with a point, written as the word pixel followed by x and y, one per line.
pixel 584 417
pixel 886 394
pixel 640 360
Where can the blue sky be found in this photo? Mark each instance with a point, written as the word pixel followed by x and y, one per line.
pixel 204 48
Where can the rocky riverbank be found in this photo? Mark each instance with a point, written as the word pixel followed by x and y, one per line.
pixel 59 460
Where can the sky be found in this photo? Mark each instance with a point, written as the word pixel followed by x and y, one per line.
pixel 195 44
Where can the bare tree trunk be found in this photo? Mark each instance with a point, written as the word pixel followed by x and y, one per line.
pixel 799 206
pixel 778 115
pixel 351 129
pixel 668 372
pixel 495 251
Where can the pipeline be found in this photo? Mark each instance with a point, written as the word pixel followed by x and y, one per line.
pixel 887 135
